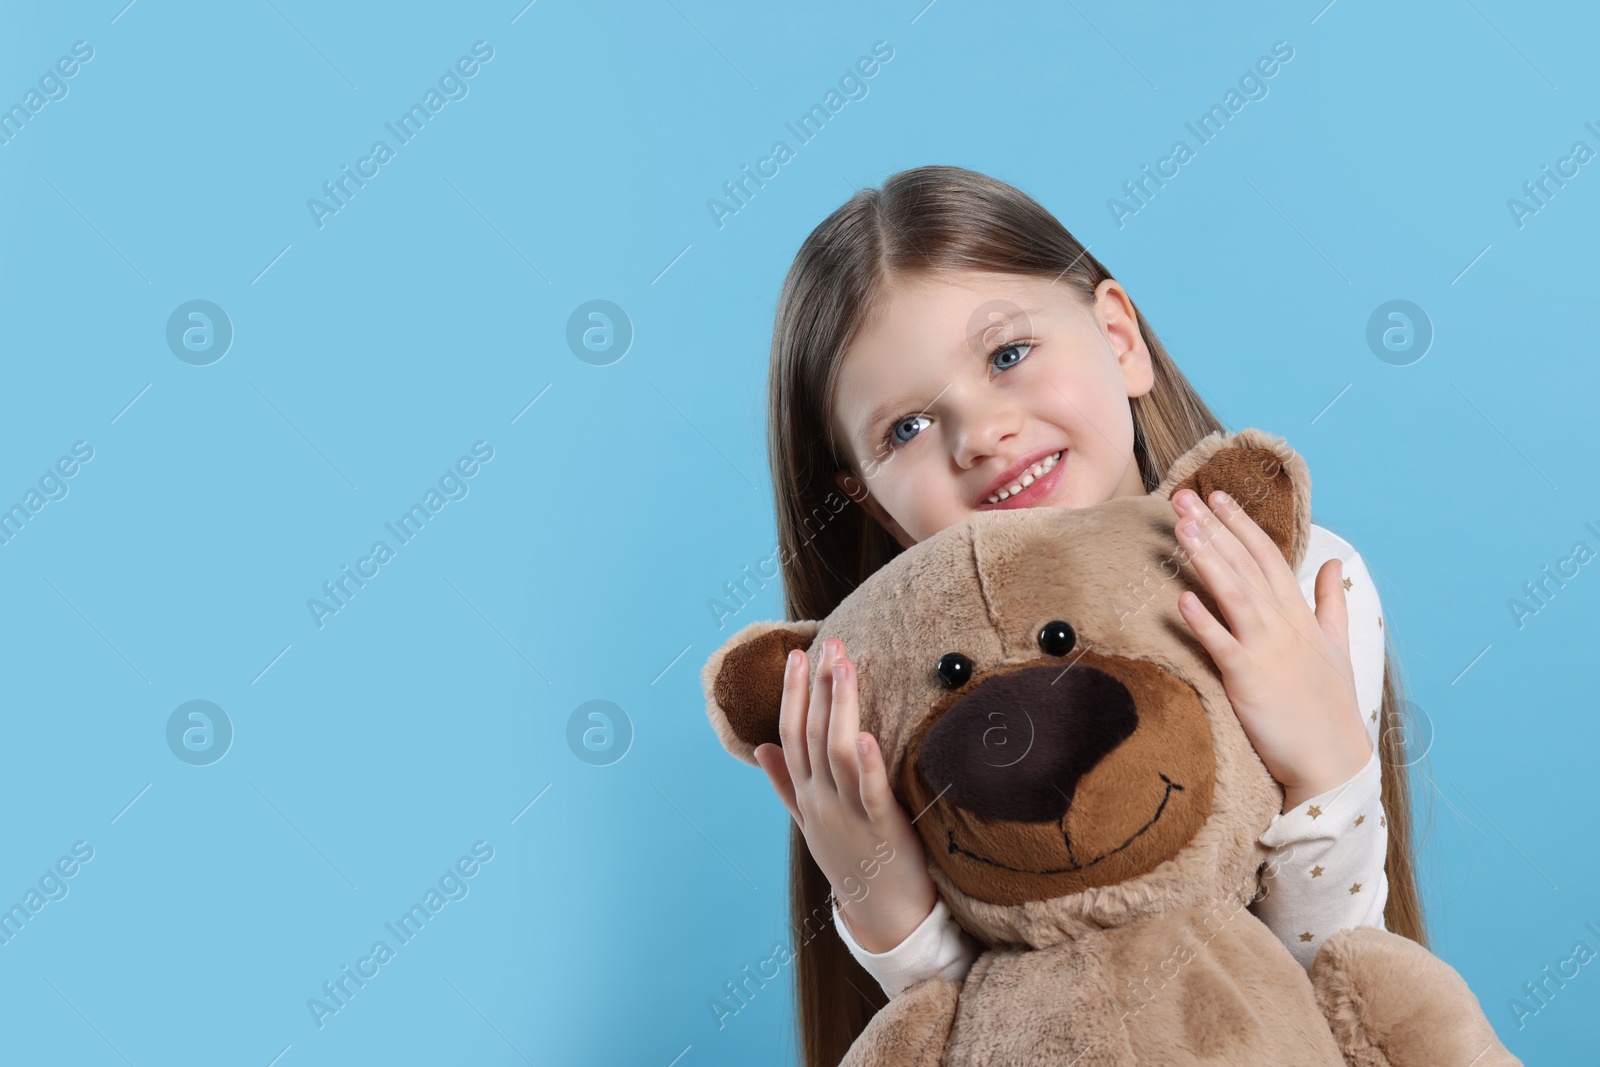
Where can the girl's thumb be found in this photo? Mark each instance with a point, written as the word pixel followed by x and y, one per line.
pixel 1331 611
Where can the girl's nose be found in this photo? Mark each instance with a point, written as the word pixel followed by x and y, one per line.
pixel 980 433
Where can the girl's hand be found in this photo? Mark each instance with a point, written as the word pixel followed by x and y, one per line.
pixel 1286 670
pixel 830 775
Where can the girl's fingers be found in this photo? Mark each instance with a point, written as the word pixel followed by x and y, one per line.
pixel 817 716
pixel 769 758
pixel 1222 563
pixel 877 799
pixel 792 717
pixel 1222 645
pixel 1333 613
pixel 1263 549
pixel 844 723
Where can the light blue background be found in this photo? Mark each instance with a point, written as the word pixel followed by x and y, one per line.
pixel 430 311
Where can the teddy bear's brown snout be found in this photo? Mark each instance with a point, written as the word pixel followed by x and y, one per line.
pixel 1002 761
pixel 1037 780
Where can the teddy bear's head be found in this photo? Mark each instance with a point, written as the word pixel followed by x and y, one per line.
pixel 1062 740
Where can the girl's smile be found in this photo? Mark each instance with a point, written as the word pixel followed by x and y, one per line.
pixel 1028 483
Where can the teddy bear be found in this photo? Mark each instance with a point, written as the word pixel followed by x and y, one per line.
pixel 1089 803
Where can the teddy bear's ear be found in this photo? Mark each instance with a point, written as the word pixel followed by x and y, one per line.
pixel 1260 471
pixel 743 682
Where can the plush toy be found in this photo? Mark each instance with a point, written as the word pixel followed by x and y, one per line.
pixel 1089 802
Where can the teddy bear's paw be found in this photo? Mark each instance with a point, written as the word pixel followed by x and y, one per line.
pixel 1392 1003
pixel 911 1030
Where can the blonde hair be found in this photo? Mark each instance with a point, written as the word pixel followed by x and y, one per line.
pixel 923 220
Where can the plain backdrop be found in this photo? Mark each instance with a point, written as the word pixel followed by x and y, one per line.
pixel 373 347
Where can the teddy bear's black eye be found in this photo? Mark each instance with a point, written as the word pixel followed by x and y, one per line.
pixel 955 670
pixel 1057 638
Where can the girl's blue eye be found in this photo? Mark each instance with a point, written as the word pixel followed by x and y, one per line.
pixel 1007 348
pixel 891 438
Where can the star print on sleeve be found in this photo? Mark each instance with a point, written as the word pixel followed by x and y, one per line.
pixel 1368 647
pixel 1325 868
pixel 1335 879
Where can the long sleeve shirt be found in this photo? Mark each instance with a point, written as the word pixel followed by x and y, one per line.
pixel 1325 862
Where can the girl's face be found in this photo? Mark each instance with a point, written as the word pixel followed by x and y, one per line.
pixel 967 382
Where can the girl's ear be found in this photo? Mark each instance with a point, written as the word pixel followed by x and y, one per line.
pixel 743 682
pixel 1262 473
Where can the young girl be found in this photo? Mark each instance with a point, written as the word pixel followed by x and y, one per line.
pixel 944 346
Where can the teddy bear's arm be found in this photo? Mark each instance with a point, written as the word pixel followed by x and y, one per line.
pixel 1392 1003
pixel 911 1030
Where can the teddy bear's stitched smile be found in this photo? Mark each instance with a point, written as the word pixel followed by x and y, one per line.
pixel 950 836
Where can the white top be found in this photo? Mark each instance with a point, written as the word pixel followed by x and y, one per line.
pixel 1324 871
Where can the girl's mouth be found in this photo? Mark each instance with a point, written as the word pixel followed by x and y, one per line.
pixel 1033 486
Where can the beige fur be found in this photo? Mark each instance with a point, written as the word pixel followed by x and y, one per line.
pixel 1116 933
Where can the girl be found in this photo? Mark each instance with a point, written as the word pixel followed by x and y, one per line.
pixel 944 346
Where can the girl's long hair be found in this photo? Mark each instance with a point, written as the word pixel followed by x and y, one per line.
pixel 924 220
